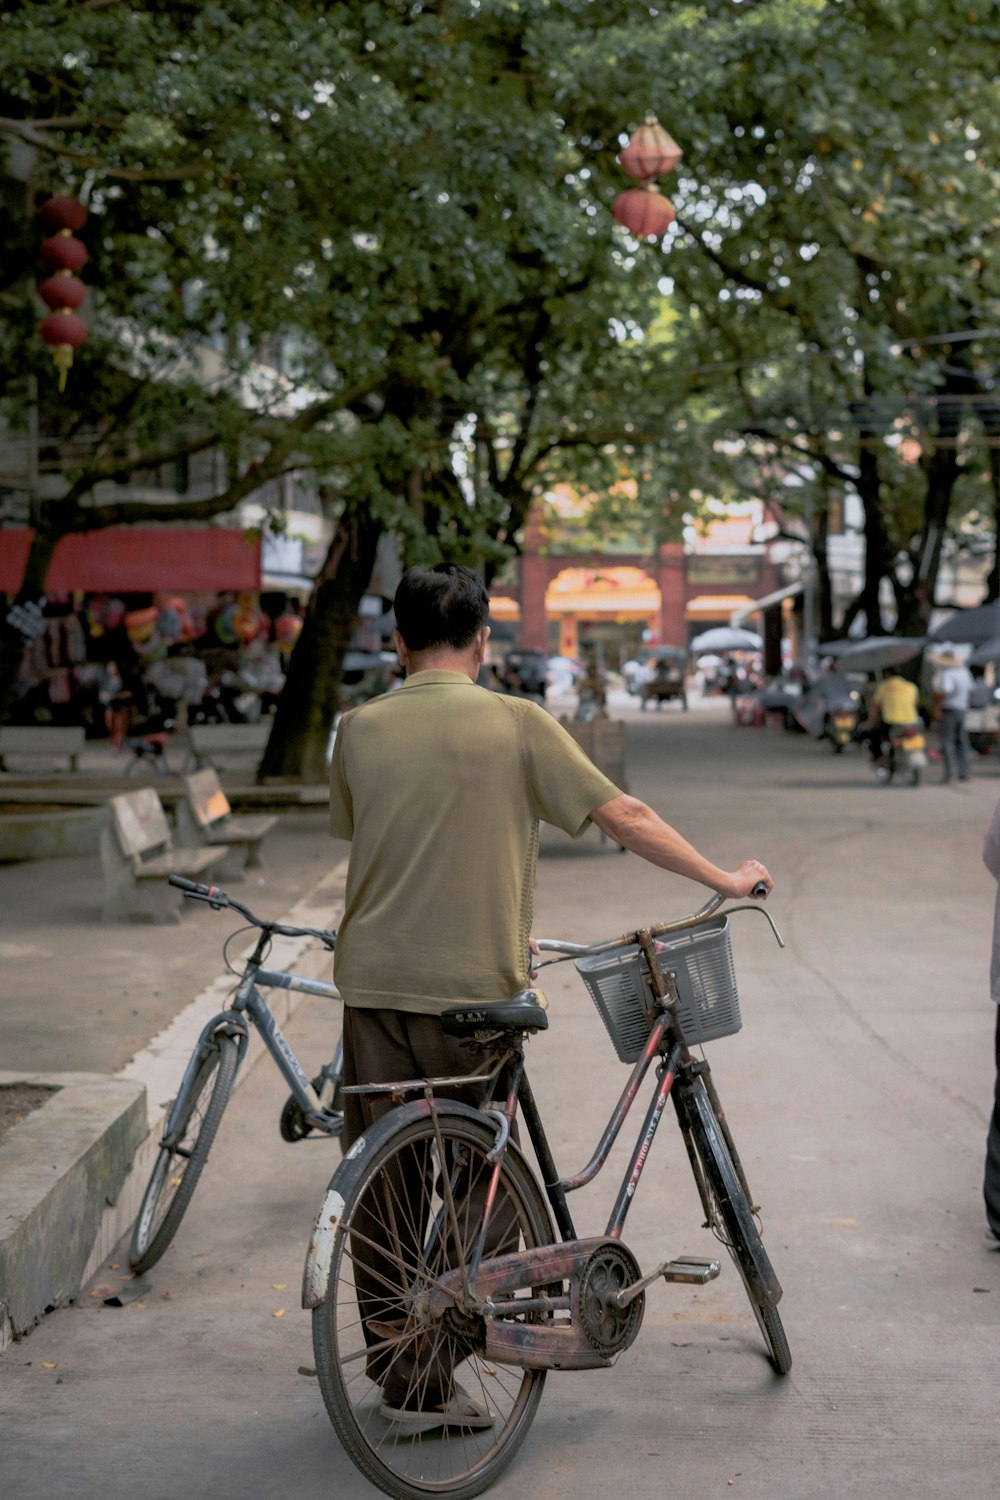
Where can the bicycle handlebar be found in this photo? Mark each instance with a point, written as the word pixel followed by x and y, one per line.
pixel 577 950
pixel 217 898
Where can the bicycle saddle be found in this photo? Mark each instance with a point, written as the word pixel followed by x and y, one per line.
pixel 525 1011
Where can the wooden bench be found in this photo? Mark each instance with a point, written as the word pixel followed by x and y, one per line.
pixel 35 741
pixel 137 855
pixel 208 743
pixel 204 817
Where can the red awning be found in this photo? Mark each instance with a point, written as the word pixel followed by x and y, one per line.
pixel 138 560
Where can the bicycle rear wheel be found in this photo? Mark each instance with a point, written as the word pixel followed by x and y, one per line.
pixel 181 1158
pixel 732 1221
pixel 413 1210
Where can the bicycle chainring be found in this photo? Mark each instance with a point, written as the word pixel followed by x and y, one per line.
pixel 609 1328
pixel 293 1124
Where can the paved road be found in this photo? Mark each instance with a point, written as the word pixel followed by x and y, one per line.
pixel 83 995
pixel 857 1091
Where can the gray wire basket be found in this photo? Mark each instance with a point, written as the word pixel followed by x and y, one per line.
pixel 708 1005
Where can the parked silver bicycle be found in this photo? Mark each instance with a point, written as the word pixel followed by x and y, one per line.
pixel 194 1116
pixel 446 1277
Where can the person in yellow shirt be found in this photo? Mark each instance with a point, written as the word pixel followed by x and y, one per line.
pixel 895 701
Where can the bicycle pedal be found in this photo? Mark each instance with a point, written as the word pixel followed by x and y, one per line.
pixel 691 1269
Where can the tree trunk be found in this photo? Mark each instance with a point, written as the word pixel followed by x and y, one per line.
pixel 941 470
pixel 819 541
pixel 876 543
pixel 993 581
pixel 297 745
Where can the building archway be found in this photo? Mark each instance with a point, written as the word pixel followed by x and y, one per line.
pixel 605 612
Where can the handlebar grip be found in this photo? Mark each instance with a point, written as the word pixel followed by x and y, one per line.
pixel 211 893
pixel 759 892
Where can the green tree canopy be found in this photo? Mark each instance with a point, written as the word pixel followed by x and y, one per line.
pixel 372 241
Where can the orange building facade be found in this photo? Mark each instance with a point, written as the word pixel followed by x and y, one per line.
pixel 611 604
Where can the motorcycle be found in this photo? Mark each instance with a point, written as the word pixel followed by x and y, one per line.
pixel 841 727
pixel 904 750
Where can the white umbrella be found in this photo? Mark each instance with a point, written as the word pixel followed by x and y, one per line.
pixel 726 638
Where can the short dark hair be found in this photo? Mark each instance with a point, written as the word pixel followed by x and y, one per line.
pixel 442 606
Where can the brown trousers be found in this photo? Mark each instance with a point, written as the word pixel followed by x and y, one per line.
pixel 390 1046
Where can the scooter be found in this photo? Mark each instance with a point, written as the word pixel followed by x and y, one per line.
pixel 842 723
pixel 904 750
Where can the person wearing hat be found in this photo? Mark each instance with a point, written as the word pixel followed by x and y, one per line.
pixel 953 693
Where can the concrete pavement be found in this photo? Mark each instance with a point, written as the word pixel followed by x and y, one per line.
pixel 858 1094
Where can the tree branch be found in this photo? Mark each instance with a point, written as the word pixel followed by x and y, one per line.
pixel 27 132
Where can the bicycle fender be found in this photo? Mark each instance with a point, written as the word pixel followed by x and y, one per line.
pixel 232 1024
pixel 316 1274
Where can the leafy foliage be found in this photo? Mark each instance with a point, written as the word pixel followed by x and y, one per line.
pixel 372 241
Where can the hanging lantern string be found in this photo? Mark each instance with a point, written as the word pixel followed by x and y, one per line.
pixel 63 330
pixel 650 153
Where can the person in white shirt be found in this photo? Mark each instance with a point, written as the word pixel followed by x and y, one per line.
pixel 952 695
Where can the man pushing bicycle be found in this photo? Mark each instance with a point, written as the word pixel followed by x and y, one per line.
pixel 440 788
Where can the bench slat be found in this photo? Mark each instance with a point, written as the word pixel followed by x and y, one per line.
pixel 179 862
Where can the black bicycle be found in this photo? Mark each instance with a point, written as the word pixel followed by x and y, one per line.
pixel 446 1278
pixel 194 1116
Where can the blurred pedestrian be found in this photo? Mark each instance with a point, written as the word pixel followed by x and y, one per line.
pixel 895 703
pixel 949 706
pixel 991 1176
pixel 591 694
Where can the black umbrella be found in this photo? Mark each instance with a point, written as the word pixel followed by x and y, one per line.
pixel 969 627
pixel 874 652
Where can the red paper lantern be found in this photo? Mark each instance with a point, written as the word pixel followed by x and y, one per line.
pixel 64 332
pixel 63 251
pixel 651 152
pixel 62 213
pixel 63 291
pixel 643 211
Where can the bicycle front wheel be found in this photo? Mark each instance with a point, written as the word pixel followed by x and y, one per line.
pixel 732 1221
pixel 180 1160
pixel 416 1405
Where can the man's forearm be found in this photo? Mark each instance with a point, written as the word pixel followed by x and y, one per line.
pixel 638 828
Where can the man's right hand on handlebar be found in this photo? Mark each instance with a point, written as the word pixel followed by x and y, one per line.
pixel 747 881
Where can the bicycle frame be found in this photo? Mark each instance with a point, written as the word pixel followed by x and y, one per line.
pixel 520 1096
pixel 666 1042
pixel 248 1001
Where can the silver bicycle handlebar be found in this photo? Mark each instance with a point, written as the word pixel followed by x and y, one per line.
pixel 578 950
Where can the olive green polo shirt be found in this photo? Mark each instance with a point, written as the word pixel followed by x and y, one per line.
pixel 440 786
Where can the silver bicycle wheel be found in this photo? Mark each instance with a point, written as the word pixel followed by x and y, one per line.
pixel 181 1158
pixel 733 1224
pixel 412 1211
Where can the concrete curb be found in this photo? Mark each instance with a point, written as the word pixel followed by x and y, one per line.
pixel 73 1172
pixel 61 1167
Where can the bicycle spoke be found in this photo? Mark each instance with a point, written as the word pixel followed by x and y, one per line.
pixel 380 1349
